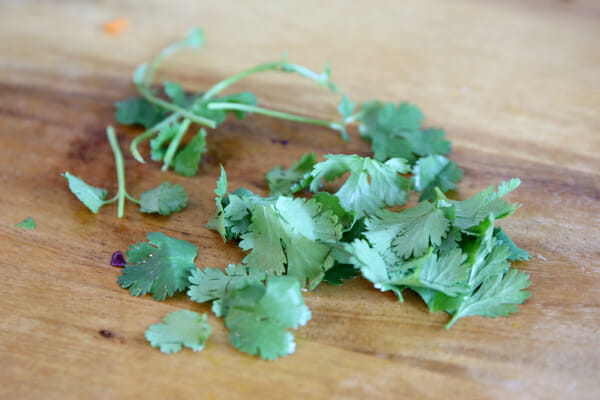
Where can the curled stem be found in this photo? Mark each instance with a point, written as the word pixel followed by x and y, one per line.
pixel 148 134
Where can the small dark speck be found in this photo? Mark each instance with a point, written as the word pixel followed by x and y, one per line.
pixel 281 142
pixel 106 333
pixel 117 259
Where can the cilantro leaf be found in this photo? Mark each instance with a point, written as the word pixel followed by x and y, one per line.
pixel 27 223
pixel 444 272
pixel 516 253
pixel 158 145
pixel 265 235
pixel 161 266
pixel 175 93
pixel 138 110
pixel 186 161
pixel 429 142
pixel 371 184
pixel 92 197
pixel 339 273
pixel 164 200
pixel 292 237
pixel 289 181
pixel 471 212
pixel 332 203
pixel 217 221
pixel 395 131
pixel 497 296
pixel 178 329
pixel 435 171
pixel 212 284
pixel 259 317
pixel 309 219
pixel 409 232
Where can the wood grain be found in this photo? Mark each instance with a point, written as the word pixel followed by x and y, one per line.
pixel 515 84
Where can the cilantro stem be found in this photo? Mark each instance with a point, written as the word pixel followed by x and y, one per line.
pixel 121 193
pixel 144 91
pixel 455 318
pixel 272 113
pixel 174 144
pixel 148 134
pixel 270 66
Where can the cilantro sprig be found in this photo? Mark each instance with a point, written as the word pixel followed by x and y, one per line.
pixel 168 119
pixel 164 200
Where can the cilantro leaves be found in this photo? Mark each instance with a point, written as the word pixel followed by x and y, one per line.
pixel 164 200
pixel 395 131
pixel 259 317
pixel 92 197
pixel 371 184
pixel 27 223
pixel 449 252
pixel 179 329
pixel 453 258
pixel 160 267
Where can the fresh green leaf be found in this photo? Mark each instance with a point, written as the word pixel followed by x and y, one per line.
pixel 158 145
pixel 396 132
pixel 497 296
pixel 409 232
pixel 164 200
pixel 471 212
pixel 371 184
pixel 186 161
pixel 294 179
pixel 92 197
pixel 138 110
pixel 259 317
pixel 332 203
pixel 217 221
pixel 435 171
pixel 27 223
pixel 161 266
pixel 516 253
pixel 266 233
pixel 178 329
pixel 175 93
pixel 339 273
pixel 212 284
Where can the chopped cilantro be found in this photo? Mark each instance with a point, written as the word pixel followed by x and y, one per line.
pixel 371 184
pixel 179 329
pixel 164 200
pixel 92 197
pixel 294 179
pixel 161 266
pixel 27 223
pixel 259 317
pixel 186 161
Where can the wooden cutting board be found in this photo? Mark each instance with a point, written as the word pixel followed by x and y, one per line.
pixel 515 84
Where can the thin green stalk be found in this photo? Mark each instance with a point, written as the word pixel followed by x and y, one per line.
pixel 270 113
pixel 270 66
pixel 121 193
pixel 144 91
pixel 148 134
pixel 170 153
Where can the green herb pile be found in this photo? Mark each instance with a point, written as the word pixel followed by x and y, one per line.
pixel 449 252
